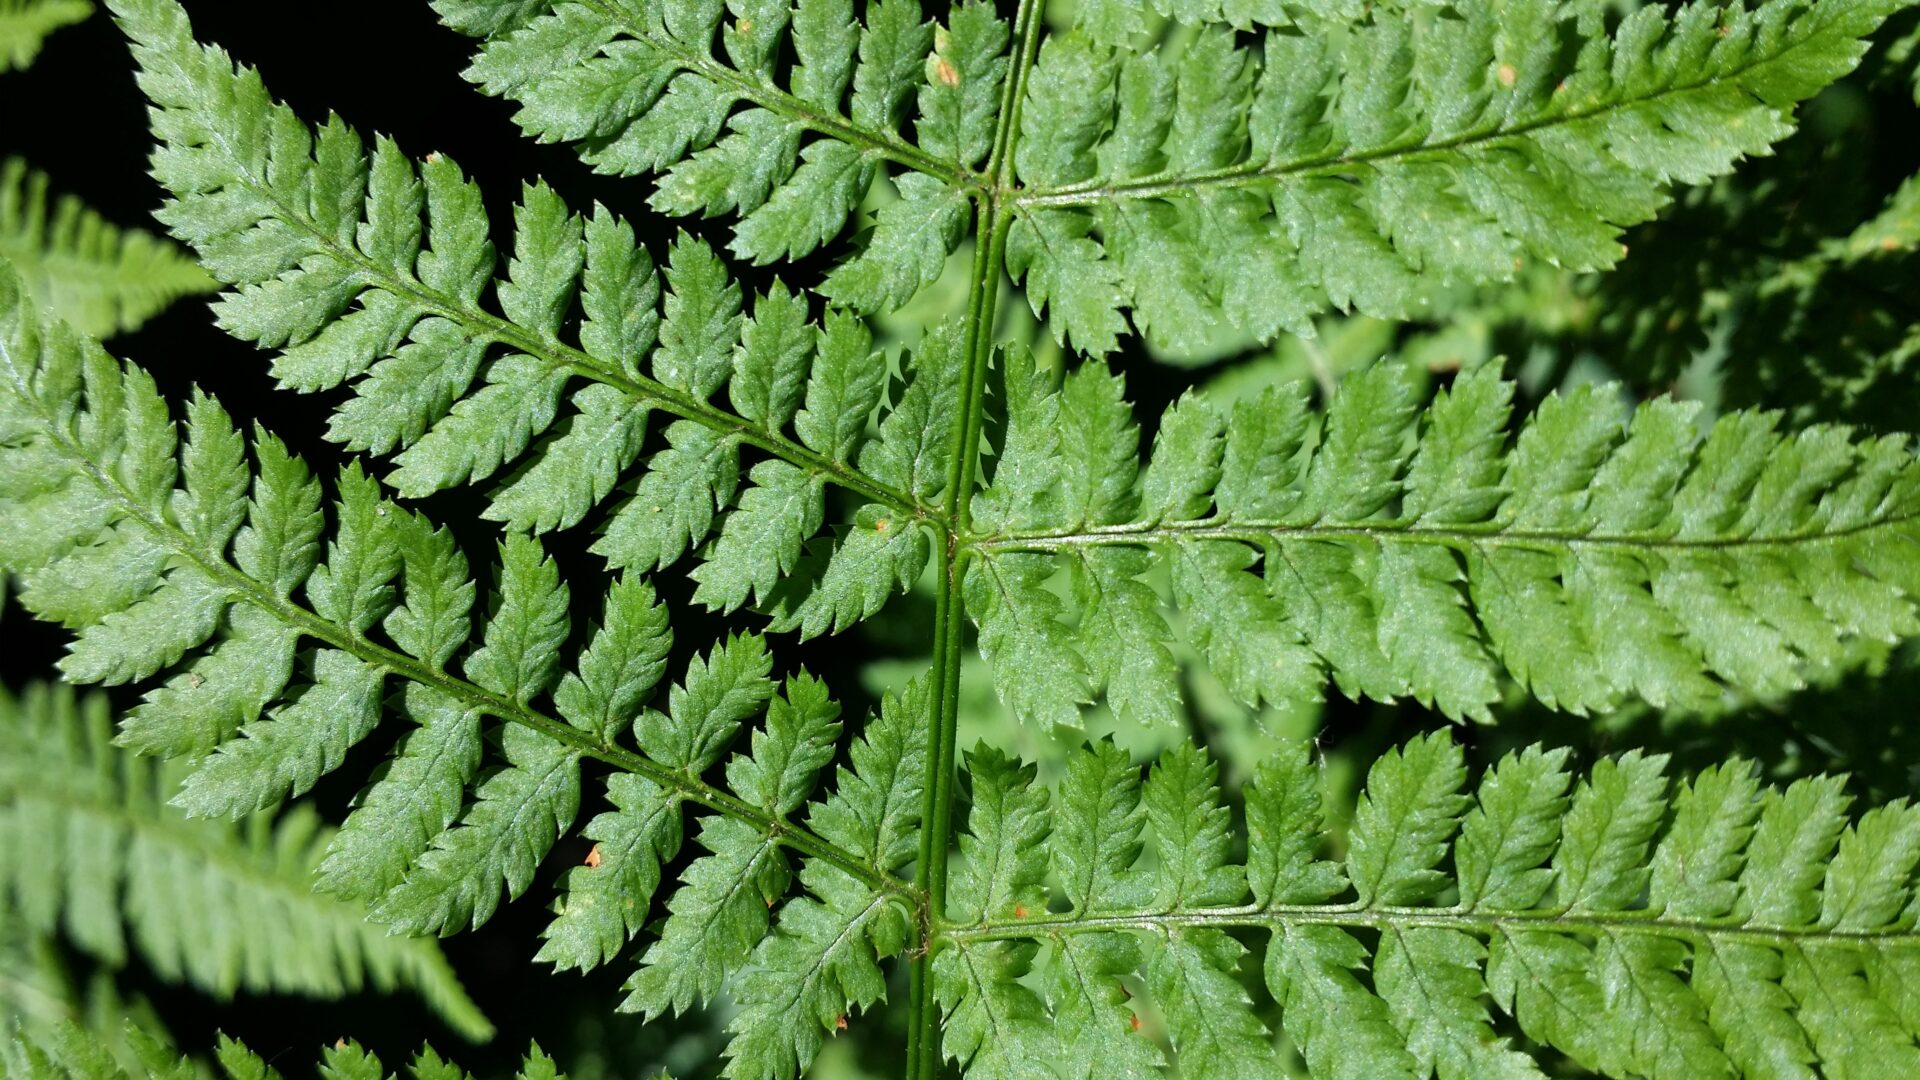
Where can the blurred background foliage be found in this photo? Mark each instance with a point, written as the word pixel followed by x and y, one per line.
pixel 1794 283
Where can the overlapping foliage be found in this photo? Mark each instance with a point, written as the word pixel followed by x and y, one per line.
pixel 1605 553
pixel 70 1055
pixel 639 90
pixel 1365 165
pixel 1190 174
pixel 1652 561
pixel 1716 927
pixel 312 224
pixel 101 278
pixel 1360 164
pixel 1799 276
pixel 89 849
pixel 225 570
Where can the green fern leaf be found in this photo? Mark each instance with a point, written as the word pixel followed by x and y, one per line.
pixel 103 279
pixel 606 898
pixel 499 840
pixel 1573 946
pixel 92 850
pixel 1511 830
pixel 993 1025
pixel 673 506
pixel 1403 823
pixel 621 666
pixel 1594 561
pixel 283 756
pixel 375 279
pixel 1169 171
pixel 429 856
pixel 1008 809
pixel 645 93
pixel 24 26
pixel 66 1056
pixel 908 249
pixel 1083 988
pixel 1099 827
pixel 526 626
pixel 820 962
pixel 419 798
pixel 1363 164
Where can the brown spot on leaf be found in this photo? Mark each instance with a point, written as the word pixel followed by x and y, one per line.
pixel 1133 1022
pixel 1019 911
pixel 882 525
pixel 1507 75
pixel 945 72
pixel 840 1022
pixel 745 25
pixel 593 857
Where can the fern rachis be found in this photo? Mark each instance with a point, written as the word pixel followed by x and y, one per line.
pixel 1592 552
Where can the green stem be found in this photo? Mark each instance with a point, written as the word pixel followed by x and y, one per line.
pixel 936 831
pixel 936 817
pixel 1463 537
pixel 1593 923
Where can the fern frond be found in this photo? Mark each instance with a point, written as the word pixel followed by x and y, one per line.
pixel 1597 557
pixel 309 225
pixel 1855 280
pixel 90 849
pixel 25 24
pixel 103 279
pixel 42 990
pixel 67 1055
pixel 1713 927
pixel 1208 182
pixel 1365 165
pixel 641 91
pixel 236 584
pixel 1810 308
pixel 1904 53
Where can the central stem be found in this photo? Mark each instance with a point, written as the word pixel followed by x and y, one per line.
pixel 993 218
pixel 949 639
